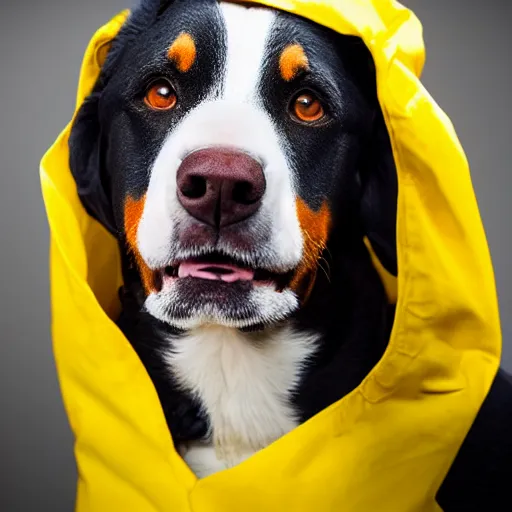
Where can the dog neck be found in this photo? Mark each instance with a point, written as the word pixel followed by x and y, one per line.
pixel 245 382
pixel 252 388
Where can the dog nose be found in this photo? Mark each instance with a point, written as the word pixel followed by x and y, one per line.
pixel 220 186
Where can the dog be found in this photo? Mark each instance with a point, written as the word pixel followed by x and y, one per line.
pixel 240 157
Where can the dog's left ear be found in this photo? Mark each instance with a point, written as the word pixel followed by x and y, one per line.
pixel 379 194
pixel 376 170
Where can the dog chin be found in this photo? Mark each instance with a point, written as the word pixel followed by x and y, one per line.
pixel 190 303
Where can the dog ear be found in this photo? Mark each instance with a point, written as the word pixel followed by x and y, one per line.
pixel 85 162
pixel 377 171
pixel 379 194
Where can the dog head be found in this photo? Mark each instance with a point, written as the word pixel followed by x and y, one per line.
pixel 221 145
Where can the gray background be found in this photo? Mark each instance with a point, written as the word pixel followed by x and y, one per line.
pixel 468 72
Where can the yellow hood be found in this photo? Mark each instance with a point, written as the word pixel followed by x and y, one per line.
pixel 387 445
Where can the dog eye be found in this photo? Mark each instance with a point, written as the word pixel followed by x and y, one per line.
pixel 160 95
pixel 307 108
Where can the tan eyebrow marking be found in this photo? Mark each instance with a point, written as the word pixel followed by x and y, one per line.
pixel 183 52
pixel 292 61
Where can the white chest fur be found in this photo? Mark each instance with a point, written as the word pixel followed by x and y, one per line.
pixel 244 382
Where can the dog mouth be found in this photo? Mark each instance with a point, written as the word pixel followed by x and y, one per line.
pixel 219 289
pixel 222 269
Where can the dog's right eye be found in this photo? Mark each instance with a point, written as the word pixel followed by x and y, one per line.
pixel 160 95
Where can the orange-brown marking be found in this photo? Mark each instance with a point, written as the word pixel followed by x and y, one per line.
pixel 133 209
pixel 315 228
pixel 183 52
pixel 292 60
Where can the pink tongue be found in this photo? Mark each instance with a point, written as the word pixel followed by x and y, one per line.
pixel 204 270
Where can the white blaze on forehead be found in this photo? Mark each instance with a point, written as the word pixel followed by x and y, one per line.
pixel 248 30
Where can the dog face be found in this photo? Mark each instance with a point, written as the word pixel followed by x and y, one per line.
pixel 227 142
